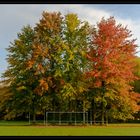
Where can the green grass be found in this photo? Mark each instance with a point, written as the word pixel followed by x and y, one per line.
pixel 13 123
pixel 110 130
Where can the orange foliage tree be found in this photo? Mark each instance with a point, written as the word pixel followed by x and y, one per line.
pixel 111 57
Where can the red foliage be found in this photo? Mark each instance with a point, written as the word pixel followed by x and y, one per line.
pixel 112 52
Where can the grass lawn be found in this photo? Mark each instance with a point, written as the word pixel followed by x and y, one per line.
pixel 110 130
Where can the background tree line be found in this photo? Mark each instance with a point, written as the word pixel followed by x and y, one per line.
pixel 66 64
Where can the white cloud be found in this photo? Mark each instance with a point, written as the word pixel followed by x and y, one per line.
pixel 83 11
pixel 133 26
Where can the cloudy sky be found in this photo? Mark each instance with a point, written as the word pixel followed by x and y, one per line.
pixel 14 17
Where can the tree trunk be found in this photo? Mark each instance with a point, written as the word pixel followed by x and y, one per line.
pixel 70 117
pixel 84 112
pixel 91 116
pixel 103 108
pixel 102 114
pixel 94 111
pixel 106 118
pixel 34 112
pixel 54 111
pixel 34 118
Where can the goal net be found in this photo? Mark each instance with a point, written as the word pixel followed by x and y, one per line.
pixel 66 118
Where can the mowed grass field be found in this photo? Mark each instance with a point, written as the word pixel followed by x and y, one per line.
pixel 109 130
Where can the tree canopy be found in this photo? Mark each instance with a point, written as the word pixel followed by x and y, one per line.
pixel 66 64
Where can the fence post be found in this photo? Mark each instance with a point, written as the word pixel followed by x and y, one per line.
pixel 46 118
pixel 60 118
pixel 29 119
pixel 87 117
pixel 75 118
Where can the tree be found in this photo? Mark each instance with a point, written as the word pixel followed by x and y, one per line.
pixel 135 84
pixel 31 60
pixel 111 56
pixel 19 53
pixel 77 40
pixel 48 38
pixel 46 63
pixel 5 97
pixel 48 66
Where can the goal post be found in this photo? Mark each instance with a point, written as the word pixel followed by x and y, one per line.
pixel 66 118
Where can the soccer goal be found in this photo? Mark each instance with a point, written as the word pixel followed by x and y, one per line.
pixel 66 118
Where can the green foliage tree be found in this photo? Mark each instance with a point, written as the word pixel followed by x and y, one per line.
pixel 20 78
pixel 77 40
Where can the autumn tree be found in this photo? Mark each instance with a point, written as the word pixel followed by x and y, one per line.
pixel 111 56
pixel 76 38
pixel 137 73
pixel 5 97
pixel 31 61
pixel 46 62
pixel 47 52
pixel 136 84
